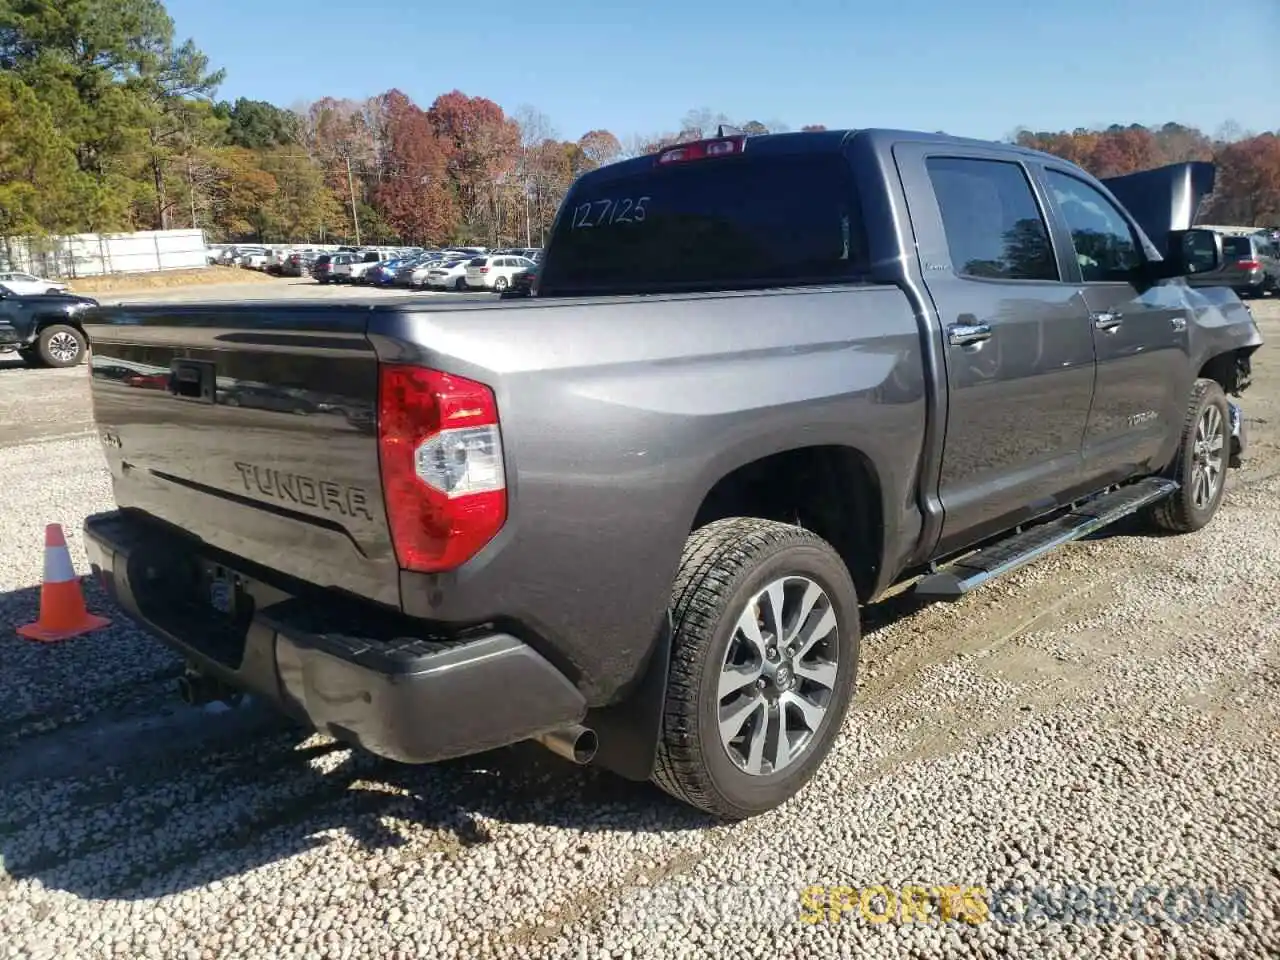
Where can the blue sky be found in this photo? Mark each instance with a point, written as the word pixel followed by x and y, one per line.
pixel 972 67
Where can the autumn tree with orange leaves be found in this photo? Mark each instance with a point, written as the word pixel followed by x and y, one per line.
pixel 415 195
pixel 481 146
pixel 1247 191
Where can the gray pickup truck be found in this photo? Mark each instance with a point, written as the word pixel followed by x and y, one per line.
pixel 633 518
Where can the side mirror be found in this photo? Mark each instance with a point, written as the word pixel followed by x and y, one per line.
pixel 1192 251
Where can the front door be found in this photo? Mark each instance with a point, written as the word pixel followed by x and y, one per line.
pixel 1017 342
pixel 1140 336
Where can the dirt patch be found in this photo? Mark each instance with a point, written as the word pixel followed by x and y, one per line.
pixel 121 283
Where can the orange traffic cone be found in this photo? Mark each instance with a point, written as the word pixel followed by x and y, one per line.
pixel 62 610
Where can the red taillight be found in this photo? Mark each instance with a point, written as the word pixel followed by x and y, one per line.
pixel 443 476
pixel 484 269
pixel 1248 264
pixel 700 150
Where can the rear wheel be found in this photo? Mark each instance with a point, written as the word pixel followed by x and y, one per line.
pixel 1200 465
pixel 763 663
pixel 60 345
pixel 500 284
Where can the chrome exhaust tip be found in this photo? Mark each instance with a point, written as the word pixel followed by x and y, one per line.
pixel 577 743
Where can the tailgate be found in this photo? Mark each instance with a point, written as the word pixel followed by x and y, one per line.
pixel 253 428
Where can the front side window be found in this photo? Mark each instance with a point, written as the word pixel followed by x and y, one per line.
pixel 1106 246
pixel 994 226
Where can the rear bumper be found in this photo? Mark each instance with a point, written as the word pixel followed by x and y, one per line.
pixel 392 688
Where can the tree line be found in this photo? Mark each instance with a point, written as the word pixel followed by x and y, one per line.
pixel 1247 186
pixel 109 123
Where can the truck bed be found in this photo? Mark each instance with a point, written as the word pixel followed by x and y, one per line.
pixel 617 414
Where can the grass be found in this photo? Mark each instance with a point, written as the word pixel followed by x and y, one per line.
pixel 167 279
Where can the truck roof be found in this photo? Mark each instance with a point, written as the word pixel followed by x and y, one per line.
pixel 821 141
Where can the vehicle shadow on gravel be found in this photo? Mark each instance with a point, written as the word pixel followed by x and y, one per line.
pixel 111 788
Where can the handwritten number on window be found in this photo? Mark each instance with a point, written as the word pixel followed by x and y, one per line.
pixel 602 213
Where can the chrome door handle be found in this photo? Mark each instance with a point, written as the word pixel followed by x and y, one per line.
pixel 1107 320
pixel 1178 323
pixel 961 334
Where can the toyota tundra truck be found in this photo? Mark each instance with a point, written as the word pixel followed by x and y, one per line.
pixel 634 517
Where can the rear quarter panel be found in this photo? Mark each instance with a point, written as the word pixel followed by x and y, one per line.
pixel 618 416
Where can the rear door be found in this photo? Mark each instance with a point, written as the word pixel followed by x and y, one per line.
pixel 1140 334
pixel 253 431
pixel 1018 348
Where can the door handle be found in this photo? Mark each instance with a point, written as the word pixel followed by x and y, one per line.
pixel 1107 320
pixel 1178 323
pixel 962 334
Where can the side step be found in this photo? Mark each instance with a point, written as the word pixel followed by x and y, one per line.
pixel 973 570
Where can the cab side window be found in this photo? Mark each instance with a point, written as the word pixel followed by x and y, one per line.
pixel 993 224
pixel 1106 247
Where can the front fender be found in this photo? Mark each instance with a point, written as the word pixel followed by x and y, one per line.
pixel 1221 323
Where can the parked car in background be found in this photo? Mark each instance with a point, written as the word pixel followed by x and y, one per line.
pixel 406 269
pixel 332 267
pixel 1250 266
pixel 29 285
pixel 343 264
pixel 495 273
pixel 524 283
pixel 324 263
pixel 44 329
pixel 297 264
pixel 365 262
pixel 448 274
pixel 415 274
pixel 384 274
pixel 254 258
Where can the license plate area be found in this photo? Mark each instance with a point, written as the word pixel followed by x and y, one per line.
pixel 208 606
pixel 227 592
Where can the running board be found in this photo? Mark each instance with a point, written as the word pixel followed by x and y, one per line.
pixel 973 570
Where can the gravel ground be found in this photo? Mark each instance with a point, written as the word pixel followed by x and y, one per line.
pixel 1106 720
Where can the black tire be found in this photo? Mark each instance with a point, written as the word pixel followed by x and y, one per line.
pixel 1184 511
pixel 725 564
pixel 500 283
pixel 53 291
pixel 52 345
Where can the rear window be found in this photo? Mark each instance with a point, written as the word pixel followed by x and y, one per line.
pixel 715 224
pixel 478 262
pixel 1237 248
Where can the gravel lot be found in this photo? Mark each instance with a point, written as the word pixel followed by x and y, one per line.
pixel 1109 718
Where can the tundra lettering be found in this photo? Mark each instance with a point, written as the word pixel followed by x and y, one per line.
pixel 295 488
pixel 853 360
